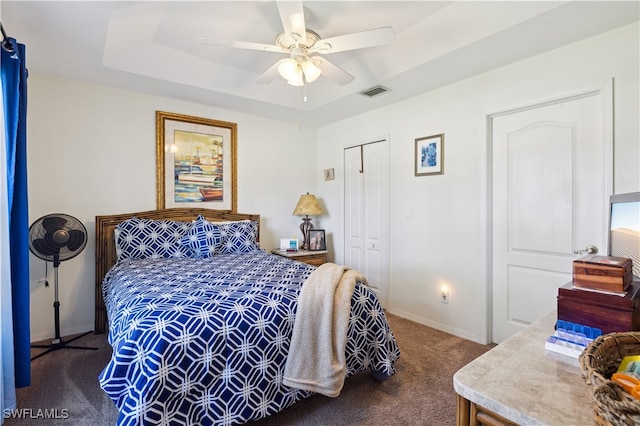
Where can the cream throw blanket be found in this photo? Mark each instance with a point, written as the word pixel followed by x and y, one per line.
pixel 316 361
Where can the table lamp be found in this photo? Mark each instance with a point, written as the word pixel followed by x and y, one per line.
pixel 307 205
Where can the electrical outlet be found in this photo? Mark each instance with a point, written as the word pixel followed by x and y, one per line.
pixel 444 296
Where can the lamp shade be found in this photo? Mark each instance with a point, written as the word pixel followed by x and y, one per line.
pixel 297 79
pixel 288 69
pixel 308 205
pixel 311 71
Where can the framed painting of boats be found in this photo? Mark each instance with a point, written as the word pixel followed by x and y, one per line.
pixel 195 162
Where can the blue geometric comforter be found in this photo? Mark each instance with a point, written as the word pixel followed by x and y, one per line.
pixel 205 341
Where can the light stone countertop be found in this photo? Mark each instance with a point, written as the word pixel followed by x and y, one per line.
pixel 526 384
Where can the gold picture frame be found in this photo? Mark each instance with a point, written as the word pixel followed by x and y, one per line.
pixel 196 164
pixel 429 155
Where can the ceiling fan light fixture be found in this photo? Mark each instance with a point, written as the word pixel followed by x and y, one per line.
pixel 297 79
pixel 288 69
pixel 297 72
pixel 300 42
pixel 311 71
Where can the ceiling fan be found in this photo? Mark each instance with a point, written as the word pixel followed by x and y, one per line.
pixel 304 65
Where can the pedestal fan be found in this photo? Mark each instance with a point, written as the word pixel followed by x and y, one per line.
pixel 55 238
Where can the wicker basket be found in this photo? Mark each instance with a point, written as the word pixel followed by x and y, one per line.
pixel 598 362
pixel 613 406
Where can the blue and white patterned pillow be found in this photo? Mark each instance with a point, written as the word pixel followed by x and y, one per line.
pixel 238 237
pixel 203 238
pixel 143 238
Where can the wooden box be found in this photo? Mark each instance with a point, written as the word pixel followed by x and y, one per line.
pixel 608 312
pixel 605 273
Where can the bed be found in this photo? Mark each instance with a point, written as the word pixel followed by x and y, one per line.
pixel 204 336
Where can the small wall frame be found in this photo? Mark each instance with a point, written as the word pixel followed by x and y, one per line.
pixel 429 155
pixel 329 174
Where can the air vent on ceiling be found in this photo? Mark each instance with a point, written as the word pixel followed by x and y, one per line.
pixel 374 91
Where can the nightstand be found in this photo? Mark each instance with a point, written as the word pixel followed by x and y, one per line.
pixel 315 258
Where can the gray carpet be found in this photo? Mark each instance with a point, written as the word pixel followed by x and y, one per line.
pixel 67 379
pixel 420 393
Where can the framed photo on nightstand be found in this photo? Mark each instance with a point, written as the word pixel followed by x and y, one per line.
pixel 317 240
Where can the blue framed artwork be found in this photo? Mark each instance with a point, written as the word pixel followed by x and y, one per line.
pixel 430 155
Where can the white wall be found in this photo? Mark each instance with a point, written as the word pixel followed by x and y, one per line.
pixel 437 229
pixel 91 152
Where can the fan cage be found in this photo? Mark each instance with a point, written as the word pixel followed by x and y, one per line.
pixel 37 231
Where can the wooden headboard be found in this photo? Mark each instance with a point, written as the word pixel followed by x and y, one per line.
pixel 106 249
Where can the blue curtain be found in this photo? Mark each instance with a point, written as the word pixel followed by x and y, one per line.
pixel 14 98
pixel 8 388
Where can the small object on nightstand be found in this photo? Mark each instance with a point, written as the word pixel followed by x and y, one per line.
pixel 315 258
pixel 289 244
pixel 307 206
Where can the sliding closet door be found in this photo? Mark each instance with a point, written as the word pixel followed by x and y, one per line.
pixel 367 213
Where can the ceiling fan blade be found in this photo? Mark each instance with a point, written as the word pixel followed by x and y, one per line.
pixel 332 71
pixel 377 37
pixel 241 45
pixel 268 76
pixel 292 17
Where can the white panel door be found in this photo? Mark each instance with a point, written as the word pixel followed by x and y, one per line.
pixel 367 214
pixel 550 189
pixel 353 209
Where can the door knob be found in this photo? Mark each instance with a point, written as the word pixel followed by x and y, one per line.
pixel 588 250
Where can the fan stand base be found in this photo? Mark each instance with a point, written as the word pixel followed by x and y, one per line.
pixel 61 344
pixel 57 342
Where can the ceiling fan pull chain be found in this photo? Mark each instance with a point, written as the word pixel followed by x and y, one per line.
pixel 304 83
pixel 299 112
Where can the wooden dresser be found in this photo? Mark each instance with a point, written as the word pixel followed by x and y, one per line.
pixel 316 258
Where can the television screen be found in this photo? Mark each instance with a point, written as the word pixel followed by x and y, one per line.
pixel 624 228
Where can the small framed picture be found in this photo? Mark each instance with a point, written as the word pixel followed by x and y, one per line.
pixel 317 240
pixel 329 174
pixel 430 155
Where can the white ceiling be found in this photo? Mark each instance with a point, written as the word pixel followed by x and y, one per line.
pixel 152 47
